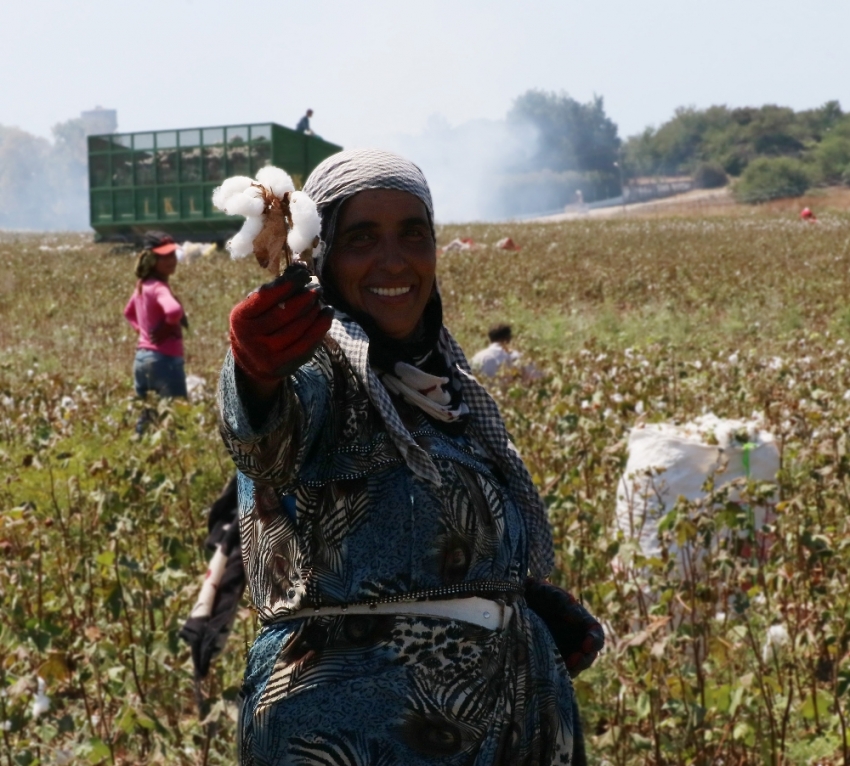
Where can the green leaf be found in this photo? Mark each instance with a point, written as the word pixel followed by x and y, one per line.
pixel 743 732
pixel 816 705
pixel 126 721
pixel 737 696
pixel 643 706
pixel 685 530
pixel 98 751
pixel 718 697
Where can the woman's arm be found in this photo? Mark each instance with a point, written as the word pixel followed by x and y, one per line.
pixel 270 398
pixel 172 311
pixel 130 313
pixel 267 438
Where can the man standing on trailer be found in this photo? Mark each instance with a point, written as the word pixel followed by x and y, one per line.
pixel 303 125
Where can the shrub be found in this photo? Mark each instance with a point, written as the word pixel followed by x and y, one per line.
pixel 710 175
pixel 772 178
pixel 831 157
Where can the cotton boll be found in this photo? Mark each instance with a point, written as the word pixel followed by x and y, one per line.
pixel 240 246
pixel 306 223
pixel 275 179
pixel 231 186
pixel 242 243
pixel 42 702
pixel 774 642
pixel 246 204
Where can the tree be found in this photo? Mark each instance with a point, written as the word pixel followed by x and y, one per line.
pixel 570 135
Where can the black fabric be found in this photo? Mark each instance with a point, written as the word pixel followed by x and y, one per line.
pixel 225 510
pixel 577 633
pixel 207 636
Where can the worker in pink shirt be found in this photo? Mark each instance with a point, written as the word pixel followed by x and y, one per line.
pixel 157 315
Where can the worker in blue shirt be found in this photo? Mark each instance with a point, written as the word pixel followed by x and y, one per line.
pixel 303 125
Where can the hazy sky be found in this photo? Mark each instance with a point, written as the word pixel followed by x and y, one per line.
pixel 373 68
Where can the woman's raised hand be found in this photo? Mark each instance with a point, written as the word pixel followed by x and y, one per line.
pixel 278 327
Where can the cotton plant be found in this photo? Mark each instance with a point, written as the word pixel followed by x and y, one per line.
pixel 281 224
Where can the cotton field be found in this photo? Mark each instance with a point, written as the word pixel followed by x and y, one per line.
pixel 727 639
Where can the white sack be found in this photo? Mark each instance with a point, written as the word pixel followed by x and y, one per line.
pixel 666 461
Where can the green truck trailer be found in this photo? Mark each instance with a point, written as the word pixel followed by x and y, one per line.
pixel 164 179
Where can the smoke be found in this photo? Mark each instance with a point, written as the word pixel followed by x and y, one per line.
pixel 469 165
pixel 44 184
pixel 550 151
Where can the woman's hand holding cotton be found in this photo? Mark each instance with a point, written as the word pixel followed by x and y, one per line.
pixel 278 328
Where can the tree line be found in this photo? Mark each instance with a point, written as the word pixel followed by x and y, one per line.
pixel 766 152
pixel 769 151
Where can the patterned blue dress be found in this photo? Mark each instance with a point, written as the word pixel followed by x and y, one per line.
pixel 331 513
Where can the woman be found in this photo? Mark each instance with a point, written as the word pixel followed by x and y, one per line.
pixel 156 314
pixel 387 522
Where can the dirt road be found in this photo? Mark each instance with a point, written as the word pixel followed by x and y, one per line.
pixel 696 202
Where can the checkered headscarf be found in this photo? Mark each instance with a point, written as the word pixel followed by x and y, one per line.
pixel 338 178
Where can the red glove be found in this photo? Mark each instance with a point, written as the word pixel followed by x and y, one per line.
pixel 278 327
pixel 577 634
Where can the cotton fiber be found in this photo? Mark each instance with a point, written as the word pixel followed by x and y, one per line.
pixel 306 223
pixel 242 243
pixel 231 186
pixel 275 179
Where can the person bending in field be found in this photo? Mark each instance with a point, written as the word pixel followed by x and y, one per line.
pixel 498 354
pixel 158 317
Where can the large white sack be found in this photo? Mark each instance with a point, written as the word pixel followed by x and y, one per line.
pixel 667 461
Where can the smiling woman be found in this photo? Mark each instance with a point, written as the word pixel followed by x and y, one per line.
pixel 388 525
pixel 384 259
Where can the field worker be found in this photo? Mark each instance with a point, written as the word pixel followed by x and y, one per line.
pixel 498 354
pixel 157 315
pixel 388 526
pixel 303 125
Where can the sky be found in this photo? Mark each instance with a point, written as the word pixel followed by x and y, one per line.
pixel 392 72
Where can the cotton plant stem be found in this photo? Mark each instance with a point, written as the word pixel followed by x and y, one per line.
pixel 130 634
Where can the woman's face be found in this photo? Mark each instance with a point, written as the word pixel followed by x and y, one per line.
pixel 165 265
pixel 384 257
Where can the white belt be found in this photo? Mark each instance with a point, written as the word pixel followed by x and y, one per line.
pixel 493 615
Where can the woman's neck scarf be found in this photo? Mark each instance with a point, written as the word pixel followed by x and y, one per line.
pixel 484 425
pixel 429 370
pixel 415 368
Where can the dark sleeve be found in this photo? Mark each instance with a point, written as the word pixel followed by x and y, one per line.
pixel 271 452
